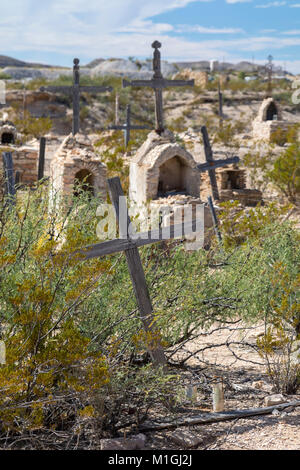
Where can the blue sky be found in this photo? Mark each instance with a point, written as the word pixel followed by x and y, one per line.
pixel 55 31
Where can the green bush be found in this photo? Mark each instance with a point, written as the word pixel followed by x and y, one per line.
pixel 285 174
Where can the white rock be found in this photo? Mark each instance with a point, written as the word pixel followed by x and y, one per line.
pixel 272 400
pixel 185 438
pixel 131 443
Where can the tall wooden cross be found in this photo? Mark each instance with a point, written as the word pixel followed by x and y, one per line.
pixel 212 164
pixel 269 68
pixel 10 188
pixel 158 83
pixel 75 91
pixel 129 243
pixel 41 158
pixel 220 96
pixel 127 127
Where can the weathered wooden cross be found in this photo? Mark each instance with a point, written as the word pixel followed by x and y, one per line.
pixel 9 176
pixel 127 127
pixel 75 91
pixel 212 164
pixel 129 243
pixel 214 218
pixel 158 83
pixel 41 158
pixel 220 96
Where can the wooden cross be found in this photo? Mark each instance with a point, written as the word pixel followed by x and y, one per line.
pixel 269 68
pixel 212 164
pixel 127 127
pixel 41 158
pixel 9 176
pixel 220 96
pixel 129 243
pixel 117 109
pixel 158 83
pixel 75 91
pixel 214 218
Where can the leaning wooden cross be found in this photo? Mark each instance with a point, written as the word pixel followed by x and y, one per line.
pixel 10 188
pixel 75 91
pixel 129 243
pixel 127 127
pixel 212 164
pixel 158 83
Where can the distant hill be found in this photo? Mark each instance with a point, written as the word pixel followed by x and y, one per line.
pixel 6 61
pixel 94 63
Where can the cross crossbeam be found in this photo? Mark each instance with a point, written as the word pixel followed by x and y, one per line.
pixel 158 83
pixel 127 127
pixel 75 90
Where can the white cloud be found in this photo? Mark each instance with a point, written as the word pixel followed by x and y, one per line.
pixel 296 5
pixel 121 28
pixel 292 32
pixel 205 30
pixel 271 5
pixel 238 1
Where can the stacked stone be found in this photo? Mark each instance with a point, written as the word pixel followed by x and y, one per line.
pixel 264 129
pixel 75 154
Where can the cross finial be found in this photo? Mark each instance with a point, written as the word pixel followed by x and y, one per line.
pixel 76 72
pixel 156 45
pixel 156 59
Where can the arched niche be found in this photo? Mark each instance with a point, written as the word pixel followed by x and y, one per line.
pixel 271 112
pixel 83 181
pixel 7 138
pixel 172 177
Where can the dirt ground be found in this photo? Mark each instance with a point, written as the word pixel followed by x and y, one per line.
pixel 246 385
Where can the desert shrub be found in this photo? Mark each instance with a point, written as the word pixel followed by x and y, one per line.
pixel 58 370
pixel 280 344
pixel 75 345
pixel 285 174
pixel 226 133
pixel 41 292
pixel 5 76
pixel 30 126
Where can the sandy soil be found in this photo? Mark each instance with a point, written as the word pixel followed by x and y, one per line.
pixel 246 385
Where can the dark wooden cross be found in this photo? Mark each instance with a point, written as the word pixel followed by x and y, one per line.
pixel 158 83
pixel 212 164
pixel 10 188
pixel 41 158
pixel 214 218
pixel 269 68
pixel 117 109
pixel 129 242
pixel 220 96
pixel 127 127
pixel 75 91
